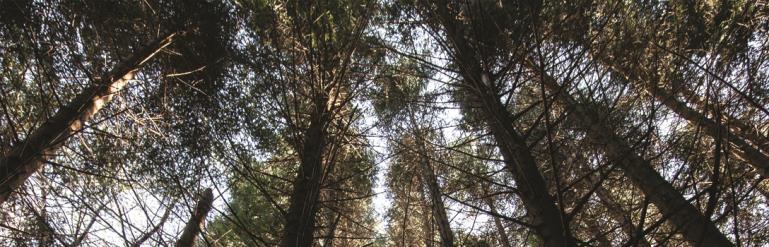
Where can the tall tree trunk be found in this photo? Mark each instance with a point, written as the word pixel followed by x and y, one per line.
pixel 744 150
pixel 544 214
pixel 197 219
pixel 439 210
pixel 430 181
pixel 427 224
pixel 695 227
pixel 22 160
pixel 300 218
pixel 743 129
pixel 489 200
pixel 546 217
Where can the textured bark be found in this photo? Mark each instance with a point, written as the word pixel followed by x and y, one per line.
pixel 300 218
pixel 24 159
pixel 548 220
pixel 694 226
pixel 197 219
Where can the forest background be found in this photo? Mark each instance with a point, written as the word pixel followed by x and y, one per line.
pixel 384 123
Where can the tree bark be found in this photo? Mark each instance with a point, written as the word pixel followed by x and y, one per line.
pixel 544 213
pixel 300 218
pixel 694 226
pixel 24 159
pixel 197 219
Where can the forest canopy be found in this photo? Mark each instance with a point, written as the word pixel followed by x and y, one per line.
pixel 384 123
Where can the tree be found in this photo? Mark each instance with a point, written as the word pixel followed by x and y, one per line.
pixel 395 123
pixel 479 84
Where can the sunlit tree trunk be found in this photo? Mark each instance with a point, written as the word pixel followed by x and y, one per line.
pixel 436 202
pixel 544 214
pixel 27 157
pixel 694 226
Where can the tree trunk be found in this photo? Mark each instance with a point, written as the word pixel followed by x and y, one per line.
pixel 427 223
pixel 197 219
pixel 540 205
pixel 744 149
pixel 694 226
pixel 430 181
pixel 439 210
pixel 22 160
pixel 497 221
pixel 745 130
pixel 544 214
pixel 300 218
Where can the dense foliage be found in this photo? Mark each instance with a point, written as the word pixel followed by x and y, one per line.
pixel 384 123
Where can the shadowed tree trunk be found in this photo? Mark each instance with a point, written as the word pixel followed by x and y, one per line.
pixel 300 218
pixel 546 217
pixel 27 157
pixel 694 226
pixel 197 219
